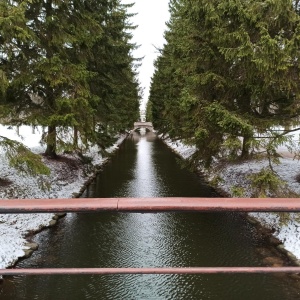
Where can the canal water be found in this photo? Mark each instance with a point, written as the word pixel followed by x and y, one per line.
pixel 145 167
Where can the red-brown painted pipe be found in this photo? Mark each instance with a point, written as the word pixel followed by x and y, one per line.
pixel 150 205
pixel 107 271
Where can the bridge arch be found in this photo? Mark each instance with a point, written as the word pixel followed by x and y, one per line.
pixel 146 125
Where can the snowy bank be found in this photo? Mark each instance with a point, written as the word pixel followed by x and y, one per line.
pixel 236 175
pixel 68 176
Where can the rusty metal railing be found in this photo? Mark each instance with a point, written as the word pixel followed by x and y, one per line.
pixel 110 271
pixel 150 205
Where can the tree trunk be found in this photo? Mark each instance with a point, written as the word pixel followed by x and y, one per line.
pixel 75 138
pixel 245 147
pixel 51 142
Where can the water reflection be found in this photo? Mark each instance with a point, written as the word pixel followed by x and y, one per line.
pixel 146 178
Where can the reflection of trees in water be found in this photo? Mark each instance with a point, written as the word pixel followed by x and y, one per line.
pixel 151 136
pixel 137 134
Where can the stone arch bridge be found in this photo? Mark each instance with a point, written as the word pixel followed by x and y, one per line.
pixel 146 125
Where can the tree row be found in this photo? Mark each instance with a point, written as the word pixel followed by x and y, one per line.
pixel 227 79
pixel 67 65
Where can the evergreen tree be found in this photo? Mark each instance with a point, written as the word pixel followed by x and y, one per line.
pixel 46 83
pixel 149 112
pixel 115 82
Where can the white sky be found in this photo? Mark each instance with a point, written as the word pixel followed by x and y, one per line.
pixel 151 18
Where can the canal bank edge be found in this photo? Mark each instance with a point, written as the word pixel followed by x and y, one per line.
pixel 284 237
pixel 17 231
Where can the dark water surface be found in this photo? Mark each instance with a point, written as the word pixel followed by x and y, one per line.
pixel 144 167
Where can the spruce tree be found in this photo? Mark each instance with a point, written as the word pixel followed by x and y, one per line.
pixel 115 81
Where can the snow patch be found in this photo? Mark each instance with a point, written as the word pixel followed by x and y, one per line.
pixel 185 151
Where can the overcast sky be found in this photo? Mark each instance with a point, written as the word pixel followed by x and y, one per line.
pixel 151 17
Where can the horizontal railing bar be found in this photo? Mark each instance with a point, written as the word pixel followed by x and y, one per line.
pixel 150 205
pixel 108 271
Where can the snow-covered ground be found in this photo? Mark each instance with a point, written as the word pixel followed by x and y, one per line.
pixel 68 175
pixel 287 232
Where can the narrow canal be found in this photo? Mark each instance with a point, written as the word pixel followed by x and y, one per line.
pixel 145 167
